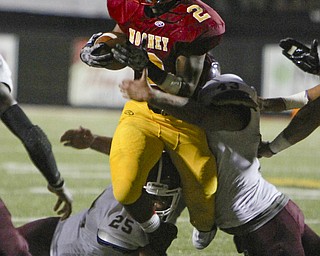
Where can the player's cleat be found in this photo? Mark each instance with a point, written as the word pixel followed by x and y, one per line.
pixel 201 240
pixel 161 239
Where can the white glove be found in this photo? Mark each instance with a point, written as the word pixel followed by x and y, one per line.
pixel 64 196
pixel 87 53
pixel 5 73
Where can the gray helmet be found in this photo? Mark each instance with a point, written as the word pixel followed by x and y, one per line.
pixel 228 89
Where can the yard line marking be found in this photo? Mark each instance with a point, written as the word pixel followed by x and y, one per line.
pixel 98 171
pixel 301 194
pixel 309 221
pixel 74 171
pixel 21 220
pixel 294 193
pixel 87 191
pixel 295 182
pixel 44 191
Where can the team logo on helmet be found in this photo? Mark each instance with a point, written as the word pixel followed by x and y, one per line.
pixel 159 23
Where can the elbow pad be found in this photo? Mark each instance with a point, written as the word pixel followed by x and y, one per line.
pixel 40 152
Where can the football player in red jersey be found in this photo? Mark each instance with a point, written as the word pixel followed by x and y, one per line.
pixel 39 150
pixel 171 38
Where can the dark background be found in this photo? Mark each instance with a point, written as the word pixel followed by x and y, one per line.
pixel 45 45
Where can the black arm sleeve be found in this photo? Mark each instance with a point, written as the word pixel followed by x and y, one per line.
pixel 35 142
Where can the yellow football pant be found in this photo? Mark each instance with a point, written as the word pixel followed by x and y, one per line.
pixel 137 145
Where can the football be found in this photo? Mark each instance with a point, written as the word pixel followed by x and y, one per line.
pixel 109 41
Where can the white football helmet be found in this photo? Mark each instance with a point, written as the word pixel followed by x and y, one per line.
pixel 163 184
pixel 228 89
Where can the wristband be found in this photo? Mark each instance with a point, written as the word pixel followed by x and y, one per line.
pixel 166 81
pixel 93 139
pixel 152 224
pixel 58 184
pixel 279 143
pixel 296 100
pixel 172 84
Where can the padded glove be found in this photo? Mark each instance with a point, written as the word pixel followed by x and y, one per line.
pixel 305 58
pixel 88 56
pixel 134 57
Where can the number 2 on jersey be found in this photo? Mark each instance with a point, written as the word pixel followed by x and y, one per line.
pixel 198 13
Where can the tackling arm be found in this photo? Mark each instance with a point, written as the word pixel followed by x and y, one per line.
pixel 224 117
pixel 82 138
pixel 303 123
pixel 301 126
pixel 180 107
pixel 297 100
pixel 185 108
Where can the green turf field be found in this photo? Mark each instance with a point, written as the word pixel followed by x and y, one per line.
pixel 295 171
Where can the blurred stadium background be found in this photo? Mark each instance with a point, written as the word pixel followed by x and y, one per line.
pixel 41 42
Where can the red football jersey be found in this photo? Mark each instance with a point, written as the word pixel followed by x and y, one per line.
pixel 190 28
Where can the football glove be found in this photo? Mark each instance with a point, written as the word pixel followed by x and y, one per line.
pixel 64 196
pixel 134 57
pixel 5 72
pixel 305 58
pixel 87 53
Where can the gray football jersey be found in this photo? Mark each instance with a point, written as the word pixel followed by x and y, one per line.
pixel 106 221
pixel 242 193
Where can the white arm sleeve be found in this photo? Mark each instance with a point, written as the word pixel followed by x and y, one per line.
pixel 296 100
